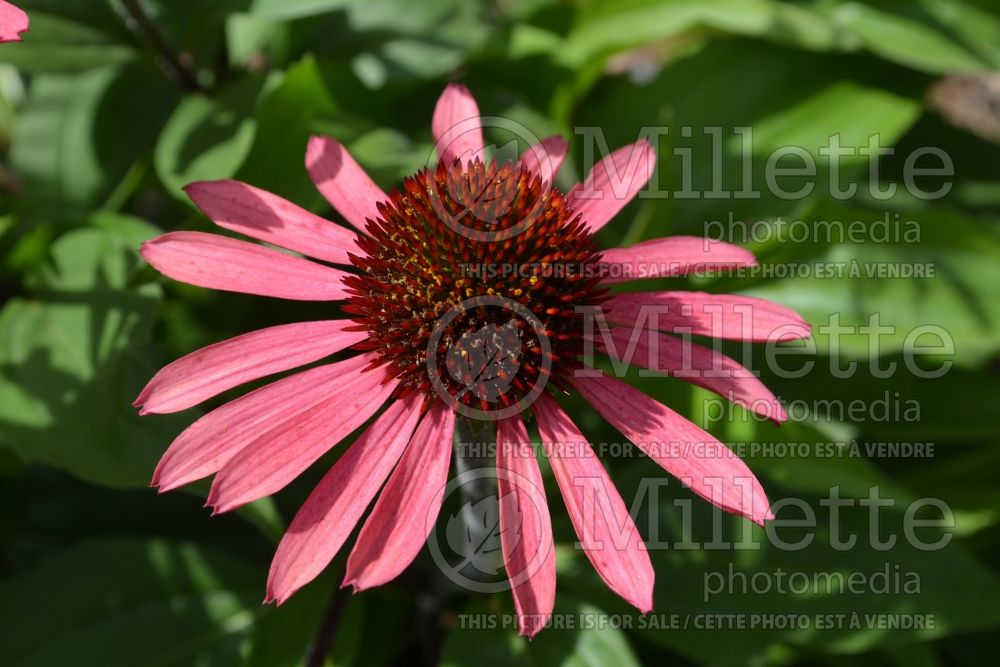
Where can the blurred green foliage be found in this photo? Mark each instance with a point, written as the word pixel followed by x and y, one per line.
pixel 102 122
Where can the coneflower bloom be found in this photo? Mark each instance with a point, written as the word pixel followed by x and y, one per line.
pixel 425 330
pixel 13 21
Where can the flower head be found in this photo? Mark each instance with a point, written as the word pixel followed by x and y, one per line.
pixel 445 243
pixel 13 21
pixel 470 289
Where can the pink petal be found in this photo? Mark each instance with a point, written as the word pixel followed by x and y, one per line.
pixel 613 183
pixel 456 126
pixel 331 511
pixel 13 21
pixel 221 263
pixel 700 461
pixel 726 316
pixel 601 520
pixel 672 256
pixel 283 452
pixel 699 365
pixel 343 182
pixel 205 446
pixel 216 368
pixel 525 528
pixel 408 506
pixel 545 158
pixel 267 217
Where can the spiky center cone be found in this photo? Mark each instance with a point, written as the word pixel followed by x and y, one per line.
pixel 474 285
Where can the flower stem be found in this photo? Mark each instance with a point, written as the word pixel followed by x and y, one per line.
pixel 475 466
pixel 322 644
pixel 173 64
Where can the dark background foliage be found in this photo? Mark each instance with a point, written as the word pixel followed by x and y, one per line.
pixel 104 118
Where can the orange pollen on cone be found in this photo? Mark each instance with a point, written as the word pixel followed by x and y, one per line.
pixel 474 281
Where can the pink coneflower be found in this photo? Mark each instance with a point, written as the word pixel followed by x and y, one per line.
pixel 13 21
pixel 425 329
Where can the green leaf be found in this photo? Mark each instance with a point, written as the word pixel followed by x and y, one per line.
pixel 310 99
pixel 293 9
pixel 58 44
pixel 897 408
pixel 71 362
pixel 958 298
pixel 122 601
pixel 978 29
pixel 787 98
pixel 402 40
pixel 193 28
pixel 288 632
pixel 79 134
pixel 611 26
pixel 285 118
pixel 208 138
pixel 855 111
pixel 387 40
pixel 722 584
pixel 905 40
pixel 250 38
pixel 585 637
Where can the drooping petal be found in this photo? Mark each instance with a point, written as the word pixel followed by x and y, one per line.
pixel 13 21
pixel 671 256
pixel 699 365
pixel 687 452
pixel 408 506
pixel 205 446
pixel 284 451
pixel 525 528
pixel 212 370
pixel 221 263
pixel 601 520
pixel 342 181
pixel 546 157
pixel 456 125
pixel 613 183
pixel 267 217
pixel 727 316
pixel 331 511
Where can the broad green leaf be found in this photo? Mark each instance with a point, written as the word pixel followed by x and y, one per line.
pixel 311 99
pixel 611 26
pixel 584 637
pixel 58 44
pixel 386 40
pixel 960 261
pixel 208 138
pixel 800 456
pixel 293 9
pixel 286 117
pixel 193 28
pixel 844 394
pixel 251 38
pixel 401 40
pixel 948 590
pixel 905 41
pixel 720 114
pixel 89 12
pixel 71 363
pixel 853 111
pixel 286 635
pixel 978 29
pixel 965 480
pixel 129 601
pixel 79 134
